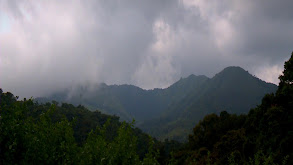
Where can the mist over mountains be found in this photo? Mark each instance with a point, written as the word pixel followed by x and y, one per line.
pixel 173 111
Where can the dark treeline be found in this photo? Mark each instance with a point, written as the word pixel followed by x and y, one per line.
pixel 32 133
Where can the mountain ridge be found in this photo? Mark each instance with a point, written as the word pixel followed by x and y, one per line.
pixel 172 111
pixel 233 89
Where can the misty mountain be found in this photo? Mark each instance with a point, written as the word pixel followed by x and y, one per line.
pixel 173 111
pixel 127 101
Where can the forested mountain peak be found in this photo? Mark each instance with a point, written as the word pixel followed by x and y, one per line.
pixel 233 69
pixel 233 72
pixel 238 78
pixel 192 76
pixel 233 90
pixel 191 80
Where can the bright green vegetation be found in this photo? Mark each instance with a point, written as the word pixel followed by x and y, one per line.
pixel 32 133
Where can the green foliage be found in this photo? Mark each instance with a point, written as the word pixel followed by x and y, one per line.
pixel 259 158
pixel 48 142
pixel 287 76
pixel 122 150
pixel 152 155
pixel 42 134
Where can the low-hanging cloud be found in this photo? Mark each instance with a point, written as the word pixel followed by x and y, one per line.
pixel 49 45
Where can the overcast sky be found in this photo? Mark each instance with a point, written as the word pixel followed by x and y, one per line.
pixel 49 45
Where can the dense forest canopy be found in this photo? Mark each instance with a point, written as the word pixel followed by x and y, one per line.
pixel 34 133
pixel 53 133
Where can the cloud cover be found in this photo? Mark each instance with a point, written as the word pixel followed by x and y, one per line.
pixel 49 45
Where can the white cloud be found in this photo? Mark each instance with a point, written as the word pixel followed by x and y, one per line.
pixel 156 69
pixel 270 73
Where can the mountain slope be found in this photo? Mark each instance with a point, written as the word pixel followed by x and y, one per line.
pixel 233 90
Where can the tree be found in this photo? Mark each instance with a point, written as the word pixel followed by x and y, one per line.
pixel 287 77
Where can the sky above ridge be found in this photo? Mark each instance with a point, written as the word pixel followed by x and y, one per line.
pixel 49 45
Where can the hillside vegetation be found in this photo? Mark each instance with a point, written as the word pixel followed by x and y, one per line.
pixel 34 133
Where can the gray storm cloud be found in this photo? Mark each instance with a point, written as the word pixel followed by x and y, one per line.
pixel 49 45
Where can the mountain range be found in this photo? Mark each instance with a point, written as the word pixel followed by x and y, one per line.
pixel 171 112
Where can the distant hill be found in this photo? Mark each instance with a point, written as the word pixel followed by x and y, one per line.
pixel 173 111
